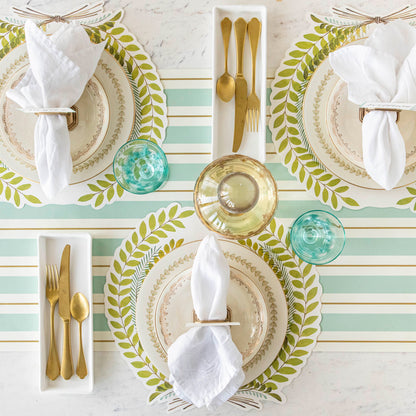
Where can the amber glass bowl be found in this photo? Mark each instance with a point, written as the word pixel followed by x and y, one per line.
pixel 235 196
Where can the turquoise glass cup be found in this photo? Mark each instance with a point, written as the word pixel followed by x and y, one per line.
pixel 140 166
pixel 317 237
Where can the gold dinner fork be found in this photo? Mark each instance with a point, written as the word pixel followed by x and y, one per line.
pixel 52 294
pixel 253 103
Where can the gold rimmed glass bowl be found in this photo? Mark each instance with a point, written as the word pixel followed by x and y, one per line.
pixel 235 196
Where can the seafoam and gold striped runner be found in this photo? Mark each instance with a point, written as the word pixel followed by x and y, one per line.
pixel 369 301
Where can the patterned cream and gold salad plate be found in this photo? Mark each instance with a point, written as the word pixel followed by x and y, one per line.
pixel 256 300
pixel 105 119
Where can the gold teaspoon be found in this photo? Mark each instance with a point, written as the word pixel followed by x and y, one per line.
pixel 226 83
pixel 80 310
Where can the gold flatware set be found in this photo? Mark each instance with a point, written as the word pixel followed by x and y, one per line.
pixel 247 107
pixel 58 291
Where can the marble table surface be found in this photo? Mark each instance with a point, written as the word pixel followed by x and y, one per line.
pixel 331 384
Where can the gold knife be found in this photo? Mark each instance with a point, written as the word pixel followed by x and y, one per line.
pixel 64 311
pixel 240 27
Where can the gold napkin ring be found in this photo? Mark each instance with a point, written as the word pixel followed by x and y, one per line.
pixel 216 321
pixel 72 117
pixel 212 322
pixel 362 111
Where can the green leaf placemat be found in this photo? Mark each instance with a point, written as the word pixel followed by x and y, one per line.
pixel 300 130
pixel 162 232
pixel 150 116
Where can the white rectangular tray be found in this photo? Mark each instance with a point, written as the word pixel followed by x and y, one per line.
pixel 253 143
pixel 50 247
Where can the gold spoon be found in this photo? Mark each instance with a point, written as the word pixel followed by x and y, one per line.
pixel 80 309
pixel 226 83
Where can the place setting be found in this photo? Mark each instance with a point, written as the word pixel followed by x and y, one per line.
pixel 211 294
pixel 111 105
pixel 327 117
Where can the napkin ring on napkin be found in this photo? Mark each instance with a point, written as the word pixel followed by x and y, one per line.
pixel 362 112
pixel 227 318
pixel 213 322
pixel 71 114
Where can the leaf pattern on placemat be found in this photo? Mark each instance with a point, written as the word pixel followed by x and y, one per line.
pixel 151 110
pixel 300 282
pixel 409 200
pixel 153 230
pixel 103 191
pixel 125 48
pixel 286 123
pixel 13 188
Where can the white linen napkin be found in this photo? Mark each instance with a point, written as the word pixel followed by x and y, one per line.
pixel 60 67
pixel 382 70
pixel 205 365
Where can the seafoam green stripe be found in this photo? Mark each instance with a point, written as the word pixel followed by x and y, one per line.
pixel 188 172
pixel 368 322
pixel 353 247
pixel 139 209
pixel 19 322
pixel 331 284
pixel 188 134
pixel 98 283
pixel 330 322
pixel 18 247
pixel 100 322
pixel 121 209
pixel 195 97
pixel 188 97
pixel 195 135
pixel 18 284
pixel 379 247
pixel 191 171
pixel 106 247
pixel 368 284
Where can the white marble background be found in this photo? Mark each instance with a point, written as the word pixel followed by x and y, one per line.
pixel 332 384
pixel 177 34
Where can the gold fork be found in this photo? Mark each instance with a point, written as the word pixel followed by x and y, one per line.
pixel 253 103
pixel 52 294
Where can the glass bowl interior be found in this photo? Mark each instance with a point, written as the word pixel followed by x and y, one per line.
pixel 317 237
pixel 235 196
pixel 140 166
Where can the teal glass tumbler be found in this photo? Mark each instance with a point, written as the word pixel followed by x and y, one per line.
pixel 317 237
pixel 140 166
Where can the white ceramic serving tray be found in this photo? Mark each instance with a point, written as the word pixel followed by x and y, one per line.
pixel 50 247
pixel 253 143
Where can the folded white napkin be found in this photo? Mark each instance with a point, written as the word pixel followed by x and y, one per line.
pixel 60 67
pixel 382 70
pixel 205 365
